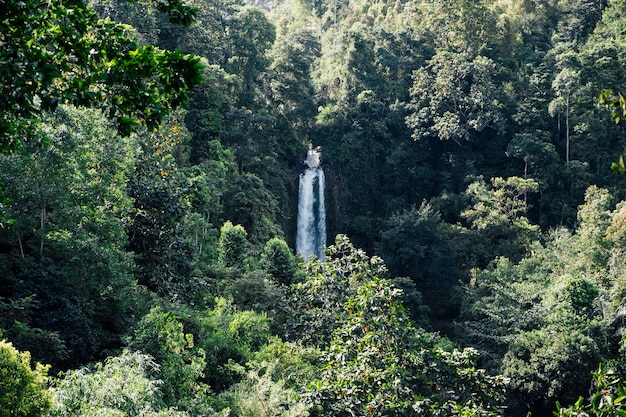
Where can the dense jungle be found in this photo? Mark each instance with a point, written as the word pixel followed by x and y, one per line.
pixel 150 154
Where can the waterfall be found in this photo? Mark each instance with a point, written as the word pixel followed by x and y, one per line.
pixel 311 233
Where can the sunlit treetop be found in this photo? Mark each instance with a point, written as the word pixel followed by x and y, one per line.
pixel 54 52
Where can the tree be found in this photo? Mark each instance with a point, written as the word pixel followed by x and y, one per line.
pixel 43 317
pixel 259 396
pixel 274 381
pixel 460 25
pixel 209 102
pixel 594 218
pixel 547 365
pixel 498 213
pixel 289 76
pixel 415 243
pixel 316 303
pixel 233 244
pixel 578 18
pixel 57 53
pixel 544 321
pixel 279 261
pixel 455 96
pixel 542 331
pixel 602 57
pixel 251 36
pixel 565 84
pixel 123 385
pixel 23 390
pixel 230 337
pixel 181 364
pixel 249 203
pixel 376 362
pixel 256 291
pixel 163 196
pixel 537 152
pixel 65 253
pixel 606 396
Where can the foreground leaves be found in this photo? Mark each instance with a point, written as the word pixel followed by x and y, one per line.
pixel 376 361
pixel 60 52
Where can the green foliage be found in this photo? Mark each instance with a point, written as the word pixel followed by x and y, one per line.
pixel 565 85
pixel 499 215
pixel 176 207
pixel 415 244
pixel 5 202
pixel 317 304
pixel 198 352
pixel 294 364
pixel 42 318
pixel 615 234
pixel 229 336
pixel 208 105
pixel 595 217
pixel 233 244
pixel 273 381
pixel 459 25
pixel 121 385
pixel 544 322
pixel 376 362
pixel 607 396
pixel 549 364
pixel 96 229
pixel 279 261
pixel 23 388
pixel 259 396
pixel 70 214
pixel 21 324
pixel 248 203
pixel 617 104
pixel 607 41
pixel 256 291
pixel 411 298
pixel 106 68
pixel 455 96
pixel 537 152
pixel 251 36
pixel 292 57
pixel 267 387
pixel 582 295
pixel 181 364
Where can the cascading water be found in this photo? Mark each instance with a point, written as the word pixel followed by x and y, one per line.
pixel 311 233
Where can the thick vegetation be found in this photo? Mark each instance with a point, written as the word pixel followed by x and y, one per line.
pixel 149 157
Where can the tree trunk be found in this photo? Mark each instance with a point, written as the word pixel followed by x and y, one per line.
pixel 567 129
pixel 42 226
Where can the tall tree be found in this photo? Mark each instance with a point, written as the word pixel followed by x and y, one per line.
pixel 251 36
pixel 455 97
pixel 565 85
pixel 71 213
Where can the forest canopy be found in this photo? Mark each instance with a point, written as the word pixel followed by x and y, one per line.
pixel 150 154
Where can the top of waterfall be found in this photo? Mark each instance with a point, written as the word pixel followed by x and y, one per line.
pixel 313 157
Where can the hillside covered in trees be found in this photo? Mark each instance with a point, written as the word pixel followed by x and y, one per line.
pixel 149 161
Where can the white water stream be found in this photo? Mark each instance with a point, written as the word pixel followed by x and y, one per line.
pixel 311 233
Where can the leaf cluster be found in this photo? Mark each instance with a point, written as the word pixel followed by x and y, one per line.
pixel 57 53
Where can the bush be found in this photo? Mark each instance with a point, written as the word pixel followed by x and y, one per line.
pixel 23 391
